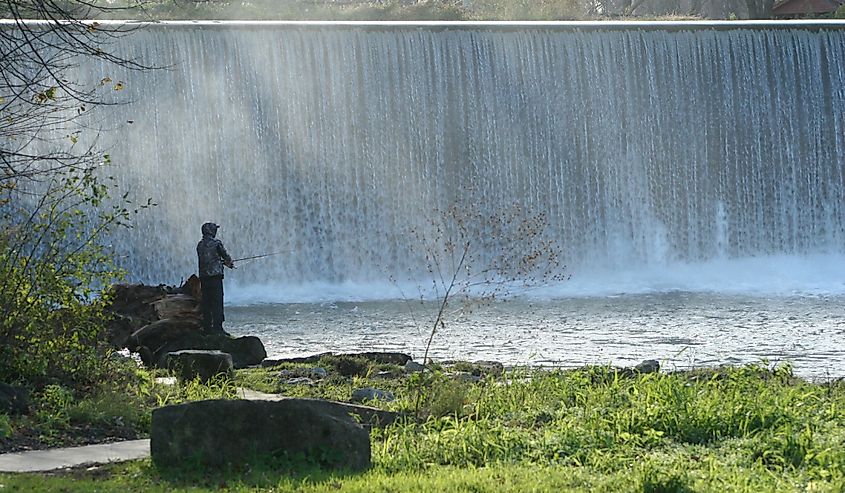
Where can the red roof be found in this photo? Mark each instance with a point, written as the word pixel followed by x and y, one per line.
pixel 799 7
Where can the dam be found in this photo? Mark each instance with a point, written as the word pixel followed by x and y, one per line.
pixel 698 166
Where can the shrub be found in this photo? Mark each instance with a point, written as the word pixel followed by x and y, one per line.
pixel 5 426
pixel 109 408
pixel 348 366
pixel 656 481
pixel 52 320
pixel 446 398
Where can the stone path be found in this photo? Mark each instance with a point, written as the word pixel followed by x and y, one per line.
pixel 49 460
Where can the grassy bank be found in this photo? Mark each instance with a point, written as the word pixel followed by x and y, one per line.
pixel 743 429
pixel 118 408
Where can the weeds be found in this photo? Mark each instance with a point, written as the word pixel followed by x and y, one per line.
pixel 5 426
pixel 118 409
pixel 743 429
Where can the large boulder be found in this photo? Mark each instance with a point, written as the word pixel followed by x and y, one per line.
pixel 120 329
pixel 219 432
pixel 367 416
pixel 135 300
pixel 246 351
pixel 156 320
pixel 192 363
pixel 157 334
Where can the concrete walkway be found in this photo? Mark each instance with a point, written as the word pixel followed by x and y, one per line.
pixel 60 458
pixel 254 395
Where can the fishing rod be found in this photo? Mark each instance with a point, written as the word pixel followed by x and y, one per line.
pixel 257 256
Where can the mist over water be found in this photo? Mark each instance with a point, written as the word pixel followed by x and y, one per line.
pixel 769 276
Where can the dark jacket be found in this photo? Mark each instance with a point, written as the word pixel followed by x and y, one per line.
pixel 212 256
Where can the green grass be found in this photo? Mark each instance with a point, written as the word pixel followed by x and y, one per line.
pixel 744 429
pixel 118 409
pixel 648 473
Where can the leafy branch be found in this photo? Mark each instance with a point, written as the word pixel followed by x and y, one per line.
pixel 472 257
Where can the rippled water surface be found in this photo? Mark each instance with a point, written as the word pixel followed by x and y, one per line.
pixel 679 329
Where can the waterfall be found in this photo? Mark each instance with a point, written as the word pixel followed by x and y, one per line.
pixel 644 146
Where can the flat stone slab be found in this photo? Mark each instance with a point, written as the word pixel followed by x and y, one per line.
pixel 49 460
pixel 370 417
pixel 217 432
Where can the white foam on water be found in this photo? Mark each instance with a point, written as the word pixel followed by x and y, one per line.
pixel 314 292
pixel 778 275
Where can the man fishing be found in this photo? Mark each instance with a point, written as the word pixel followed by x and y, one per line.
pixel 212 257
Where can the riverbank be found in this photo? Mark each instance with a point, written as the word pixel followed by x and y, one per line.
pixel 465 10
pixel 377 10
pixel 681 329
pixel 592 429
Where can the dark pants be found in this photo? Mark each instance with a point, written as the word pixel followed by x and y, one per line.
pixel 212 303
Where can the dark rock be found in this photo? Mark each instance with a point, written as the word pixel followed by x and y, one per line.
pixel 376 357
pixel 157 334
pixel 192 363
pixel 164 319
pixel 648 366
pixel 350 366
pixel 147 356
pixel 120 329
pixel 477 368
pixel 13 400
pixel 135 300
pixel 414 367
pixel 366 416
pixel 371 394
pixel 246 351
pixel 382 358
pixel 220 432
pixel 268 363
